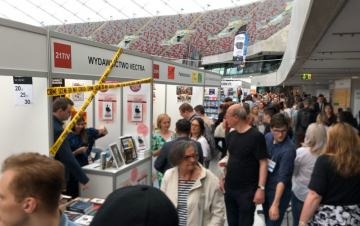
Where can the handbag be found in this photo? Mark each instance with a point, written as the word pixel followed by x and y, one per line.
pixel 202 202
pixel 219 131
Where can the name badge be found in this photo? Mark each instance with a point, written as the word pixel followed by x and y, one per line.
pixel 271 165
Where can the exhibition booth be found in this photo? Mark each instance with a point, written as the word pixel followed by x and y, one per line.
pixel 231 87
pixel 45 58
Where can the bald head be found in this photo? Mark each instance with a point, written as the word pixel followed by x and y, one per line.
pixel 237 110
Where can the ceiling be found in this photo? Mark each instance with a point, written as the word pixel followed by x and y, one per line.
pixel 337 55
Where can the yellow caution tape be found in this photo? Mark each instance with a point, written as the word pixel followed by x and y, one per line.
pixel 56 91
pixel 53 150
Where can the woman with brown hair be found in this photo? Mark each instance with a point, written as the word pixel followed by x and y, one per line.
pixel 250 118
pixel 329 111
pixel 81 140
pixel 334 197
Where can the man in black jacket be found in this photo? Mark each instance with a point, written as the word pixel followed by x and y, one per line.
pixel 182 129
pixel 305 117
pixel 61 112
pixel 320 105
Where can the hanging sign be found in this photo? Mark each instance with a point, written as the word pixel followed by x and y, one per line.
pixel 306 76
pixel 23 87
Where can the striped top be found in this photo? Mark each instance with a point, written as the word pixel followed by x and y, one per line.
pixel 184 190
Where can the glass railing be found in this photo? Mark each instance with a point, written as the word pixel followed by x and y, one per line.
pixel 253 70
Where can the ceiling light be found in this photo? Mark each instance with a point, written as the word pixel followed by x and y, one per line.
pixel 355 77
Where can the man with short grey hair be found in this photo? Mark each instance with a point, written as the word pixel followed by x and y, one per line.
pixel 246 169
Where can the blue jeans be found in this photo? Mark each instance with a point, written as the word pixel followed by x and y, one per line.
pixel 284 204
pixel 97 155
pixel 296 208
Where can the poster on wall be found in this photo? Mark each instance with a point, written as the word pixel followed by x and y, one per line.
pixel 58 82
pixel 154 93
pixel 136 112
pixel 136 108
pixel 107 111
pixel 107 108
pixel 184 94
pixel 211 91
pixel 77 96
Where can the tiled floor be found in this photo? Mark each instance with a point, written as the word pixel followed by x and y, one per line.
pixel 258 219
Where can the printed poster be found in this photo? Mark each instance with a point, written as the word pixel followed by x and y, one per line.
pixel 136 112
pixel 107 111
pixel 107 108
pixel 154 93
pixel 136 108
pixel 77 96
pixel 184 94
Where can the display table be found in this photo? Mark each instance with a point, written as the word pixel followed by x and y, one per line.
pixel 104 182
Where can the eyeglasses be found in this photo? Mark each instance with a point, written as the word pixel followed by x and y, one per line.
pixel 188 157
pixel 277 132
pixel 226 116
pixel 194 125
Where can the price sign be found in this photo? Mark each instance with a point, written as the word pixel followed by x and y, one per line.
pixel 23 88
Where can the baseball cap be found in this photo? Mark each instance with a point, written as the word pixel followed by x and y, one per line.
pixel 139 205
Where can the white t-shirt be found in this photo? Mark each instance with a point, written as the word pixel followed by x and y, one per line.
pixel 304 165
pixel 204 146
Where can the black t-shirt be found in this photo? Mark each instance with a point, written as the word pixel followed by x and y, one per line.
pixel 246 149
pixel 334 189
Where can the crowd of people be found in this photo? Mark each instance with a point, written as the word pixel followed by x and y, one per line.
pixel 277 150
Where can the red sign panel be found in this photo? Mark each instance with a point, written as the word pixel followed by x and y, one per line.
pixel 171 72
pixel 62 55
pixel 156 71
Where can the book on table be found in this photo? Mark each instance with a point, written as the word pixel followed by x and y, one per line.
pixel 84 220
pixel 81 207
pixel 73 216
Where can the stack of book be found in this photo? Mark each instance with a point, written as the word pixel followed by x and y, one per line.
pixel 81 215
pixel 81 207
pixel 143 154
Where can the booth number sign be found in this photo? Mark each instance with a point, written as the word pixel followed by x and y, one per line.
pixel 23 88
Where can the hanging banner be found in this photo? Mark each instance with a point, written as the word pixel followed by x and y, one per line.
pixel 240 47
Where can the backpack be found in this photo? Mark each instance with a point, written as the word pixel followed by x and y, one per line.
pixel 305 119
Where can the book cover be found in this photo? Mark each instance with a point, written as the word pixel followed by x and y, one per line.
pixel 84 220
pixel 80 206
pixel 97 201
pixel 73 216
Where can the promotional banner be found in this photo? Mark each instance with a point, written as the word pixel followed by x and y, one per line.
pixel 240 46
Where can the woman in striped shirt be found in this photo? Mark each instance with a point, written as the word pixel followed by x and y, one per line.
pixel 184 184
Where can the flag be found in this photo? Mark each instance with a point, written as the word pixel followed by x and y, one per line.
pixel 240 46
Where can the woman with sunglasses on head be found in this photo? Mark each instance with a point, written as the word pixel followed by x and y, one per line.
pixel 82 140
pixel 197 133
pixel 194 190
pixel 334 197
